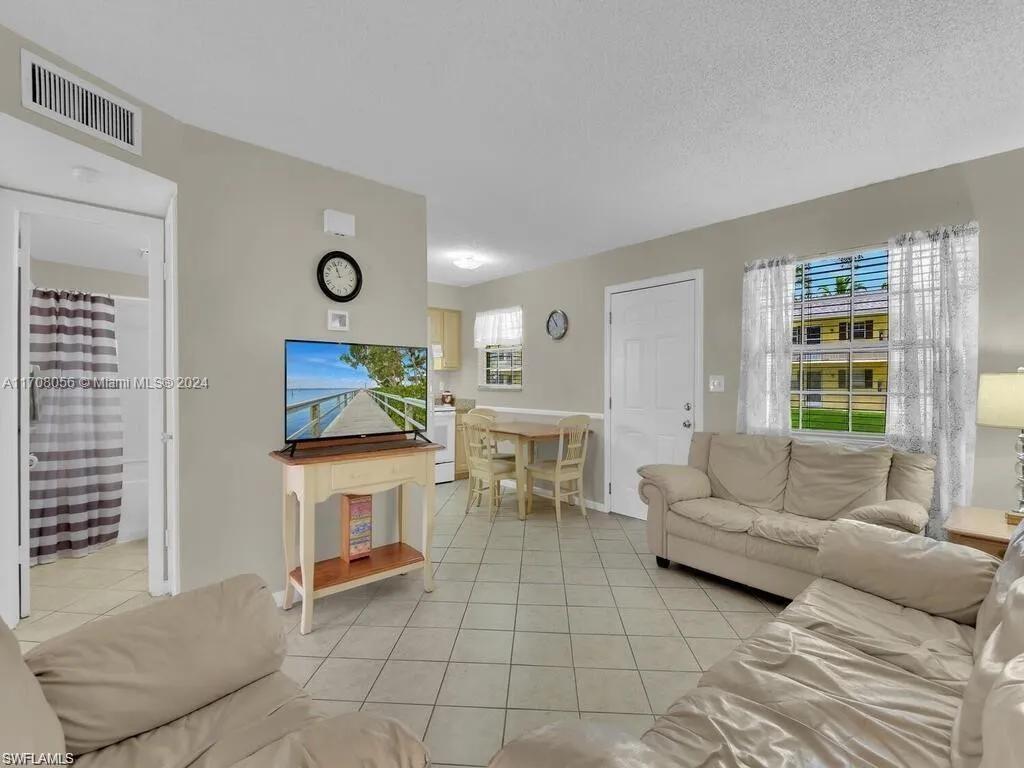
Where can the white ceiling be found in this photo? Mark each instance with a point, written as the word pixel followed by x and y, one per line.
pixel 87 244
pixel 543 130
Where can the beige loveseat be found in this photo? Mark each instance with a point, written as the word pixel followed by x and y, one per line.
pixel 191 681
pixel 906 653
pixel 754 509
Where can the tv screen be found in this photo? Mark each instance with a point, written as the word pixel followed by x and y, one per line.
pixel 353 390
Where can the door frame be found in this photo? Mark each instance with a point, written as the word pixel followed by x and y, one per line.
pixel 697 277
pixel 163 402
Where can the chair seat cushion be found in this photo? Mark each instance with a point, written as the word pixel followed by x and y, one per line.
pixel 934 648
pixel 790 529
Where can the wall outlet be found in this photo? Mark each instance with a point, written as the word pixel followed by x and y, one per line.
pixel 716 383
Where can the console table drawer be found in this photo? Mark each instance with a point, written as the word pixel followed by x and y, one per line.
pixel 353 473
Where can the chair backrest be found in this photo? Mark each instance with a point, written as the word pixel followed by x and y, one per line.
pixel 476 429
pixel 487 413
pixel 573 432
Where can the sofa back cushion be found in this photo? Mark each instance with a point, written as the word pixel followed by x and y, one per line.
pixel 1010 570
pixel 911 478
pixel 700 450
pixel 827 479
pixel 1004 644
pixel 27 722
pixel 749 469
pixel 128 674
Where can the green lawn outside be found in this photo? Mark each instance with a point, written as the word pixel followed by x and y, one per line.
pixel 836 420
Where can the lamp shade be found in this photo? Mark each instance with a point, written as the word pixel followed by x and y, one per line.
pixel 1001 400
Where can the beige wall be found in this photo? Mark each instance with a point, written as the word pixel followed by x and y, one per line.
pixel 71 277
pixel 567 375
pixel 250 235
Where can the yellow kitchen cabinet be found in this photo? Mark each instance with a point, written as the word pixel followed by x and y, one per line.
pixel 446 331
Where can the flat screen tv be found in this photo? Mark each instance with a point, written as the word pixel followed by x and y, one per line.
pixel 352 390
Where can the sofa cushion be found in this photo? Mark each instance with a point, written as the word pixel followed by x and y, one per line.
pixel 700 449
pixel 1004 644
pixel 1003 717
pixel 683 527
pixel 749 469
pixel 884 715
pixel 718 513
pixel 898 514
pixel 790 529
pixel 127 674
pixel 270 722
pixel 826 479
pixel 754 548
pixel 912 477
pixel 937 649
pixel 1011 569
pixel 27 722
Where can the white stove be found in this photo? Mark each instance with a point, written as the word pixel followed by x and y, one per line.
pixel 442 432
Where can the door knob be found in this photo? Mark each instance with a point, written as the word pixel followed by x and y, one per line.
pixel 687 407
pixel 687 423
pixel 32 461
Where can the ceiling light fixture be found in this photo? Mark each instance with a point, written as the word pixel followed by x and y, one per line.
pixel 467 262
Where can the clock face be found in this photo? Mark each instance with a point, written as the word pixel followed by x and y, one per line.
pixel 339 276
pixel 558 324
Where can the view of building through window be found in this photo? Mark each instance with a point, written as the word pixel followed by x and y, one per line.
pixel 841 343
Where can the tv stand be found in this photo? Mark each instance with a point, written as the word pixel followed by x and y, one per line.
pixel 356 466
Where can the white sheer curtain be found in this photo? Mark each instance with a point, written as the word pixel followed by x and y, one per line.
pixel 498 326
pixel 933 356
pixel 767 347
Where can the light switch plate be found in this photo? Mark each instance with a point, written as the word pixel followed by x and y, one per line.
pixel 716 383
pixel 337 320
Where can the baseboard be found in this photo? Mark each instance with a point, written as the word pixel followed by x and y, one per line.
pixel 544 493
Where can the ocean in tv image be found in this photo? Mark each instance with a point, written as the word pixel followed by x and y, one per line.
pixel 346 390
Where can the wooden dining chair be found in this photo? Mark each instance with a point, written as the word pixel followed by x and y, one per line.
pixel 486 470
pixel 492 415
pixel 566 468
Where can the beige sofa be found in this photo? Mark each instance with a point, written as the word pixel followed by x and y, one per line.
pixel 906 652
pixel 190 681
pixel 754 509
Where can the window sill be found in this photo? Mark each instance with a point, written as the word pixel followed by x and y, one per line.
pixel 820 436
pixel 504 387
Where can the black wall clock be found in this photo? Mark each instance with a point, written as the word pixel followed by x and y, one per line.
pixel 558 324
pixel 339 276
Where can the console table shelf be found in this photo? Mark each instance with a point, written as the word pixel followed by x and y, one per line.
pixel 356 467
pixel 334 575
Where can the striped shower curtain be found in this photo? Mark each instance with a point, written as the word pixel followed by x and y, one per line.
pixel 76 433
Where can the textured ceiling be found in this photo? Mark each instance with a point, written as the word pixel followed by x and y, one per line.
pixel 543 130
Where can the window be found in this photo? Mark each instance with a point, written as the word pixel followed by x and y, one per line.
pixel 840 343
pixel 498 335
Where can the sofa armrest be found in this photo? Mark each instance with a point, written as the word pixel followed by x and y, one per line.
pixel 897 514
pixel 579 744
pixel 662 485
pixel 907 568
pixel 127 674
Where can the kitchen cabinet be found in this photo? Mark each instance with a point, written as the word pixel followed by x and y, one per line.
pixel 446 332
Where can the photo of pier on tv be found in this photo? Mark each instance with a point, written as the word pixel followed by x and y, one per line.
pixel 353 390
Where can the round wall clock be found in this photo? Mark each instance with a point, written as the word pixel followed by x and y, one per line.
pixel 339 276
pixel 558 324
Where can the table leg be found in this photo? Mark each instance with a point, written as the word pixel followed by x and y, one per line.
pixel 521 449
pixel 307 562
pixel 428 526
pixel 288 523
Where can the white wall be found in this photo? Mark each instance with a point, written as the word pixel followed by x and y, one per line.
pixel 131 329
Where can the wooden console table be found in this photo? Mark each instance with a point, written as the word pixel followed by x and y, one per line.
pixel 314 474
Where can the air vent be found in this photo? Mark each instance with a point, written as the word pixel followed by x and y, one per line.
pixel 51 91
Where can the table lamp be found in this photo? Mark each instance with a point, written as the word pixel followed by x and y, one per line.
pixel 1001 404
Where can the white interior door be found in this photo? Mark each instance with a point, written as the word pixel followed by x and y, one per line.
pixel 25 458
pixel 653 367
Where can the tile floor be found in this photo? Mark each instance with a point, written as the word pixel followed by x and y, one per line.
pixel 72 591
pixel 529 623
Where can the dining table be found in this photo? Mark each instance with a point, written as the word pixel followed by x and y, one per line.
pixel 524 435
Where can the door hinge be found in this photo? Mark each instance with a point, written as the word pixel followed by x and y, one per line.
pixel 167 539
pixel 166 267
pixel 166 436
pixel 609 403
pixel 609 487
pixel 609 318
